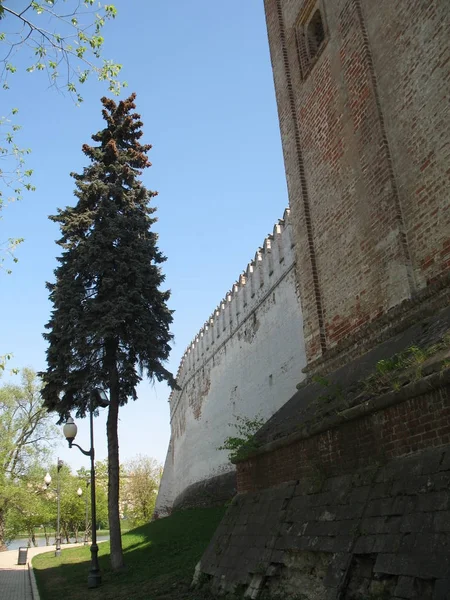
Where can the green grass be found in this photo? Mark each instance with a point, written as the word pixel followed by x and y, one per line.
pixel 160 559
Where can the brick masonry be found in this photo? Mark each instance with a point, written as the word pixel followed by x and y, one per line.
pixel 351 521
pixel 366 148
pixel 401 429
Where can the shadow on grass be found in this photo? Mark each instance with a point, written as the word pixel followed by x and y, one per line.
pixel 160 559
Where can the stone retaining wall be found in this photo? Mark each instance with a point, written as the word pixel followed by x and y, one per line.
pixel 351 503
pixel 382 531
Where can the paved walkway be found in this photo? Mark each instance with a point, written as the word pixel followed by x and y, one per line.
pixel 16 582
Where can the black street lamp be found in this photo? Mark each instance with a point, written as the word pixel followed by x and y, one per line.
pixel 86 523
pixel 86 527
pixel 97 398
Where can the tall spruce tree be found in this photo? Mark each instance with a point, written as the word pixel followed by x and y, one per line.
pixel 110 321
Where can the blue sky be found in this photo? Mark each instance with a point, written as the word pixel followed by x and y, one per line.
pixel 202 74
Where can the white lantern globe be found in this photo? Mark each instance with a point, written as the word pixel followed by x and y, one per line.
pixel 70 429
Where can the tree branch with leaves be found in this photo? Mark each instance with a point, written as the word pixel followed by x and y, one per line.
pixel 64 39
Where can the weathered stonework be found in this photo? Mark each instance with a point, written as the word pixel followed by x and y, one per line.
pixel 245 361
pixel 348 494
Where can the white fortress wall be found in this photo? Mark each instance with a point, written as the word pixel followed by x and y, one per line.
pixel 245 361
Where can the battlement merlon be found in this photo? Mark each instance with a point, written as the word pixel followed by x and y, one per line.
pixel 270 262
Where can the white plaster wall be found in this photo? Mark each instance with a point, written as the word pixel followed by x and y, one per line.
pixel 165 497
pixel 246 361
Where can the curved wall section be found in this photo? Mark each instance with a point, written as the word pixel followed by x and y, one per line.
pixel 245 361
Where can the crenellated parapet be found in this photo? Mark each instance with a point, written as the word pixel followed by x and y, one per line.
pixel 270 264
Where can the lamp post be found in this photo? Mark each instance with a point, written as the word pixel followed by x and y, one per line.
pixel 97 398
pixel 86 523
pixel 59 466
pixel 79 494
pixel 47 481
pixel 86 527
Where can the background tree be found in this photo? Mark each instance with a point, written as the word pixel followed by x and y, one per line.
pixel 142 479
pixel 26 435
pixel 72 507
pixel 110 320
pixel 31 507
pixel 101 492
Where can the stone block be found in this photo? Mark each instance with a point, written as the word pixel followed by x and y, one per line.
pixel 377 525
pixel 442 589
pixel 403 505
pixel 408 486
pixel 387 542
pixel 300 503
pixel 326 515
pixel 431 461
pixel 349 511
pixel 441 521
pixel 365 477
pixel 364 544
pixel 339 485
pixel 327 544
pixel 433 501
pixel 416 522
pixel 337 570
pixel 405 587
pixel 445 462
pixel 322 528
pixel 381 490
pixel 359 494
pixel 331 593
pixel 379 507
pixel 389 506
pixel 342 543
pixel 277 556
pixel 414 565
pixel 408 543
pixel 288 542
pixel 432 543
pixel 348 527
pixel 440 481
pixel 312 485
pixel 399 468
pixel 305 542
pixel 322 499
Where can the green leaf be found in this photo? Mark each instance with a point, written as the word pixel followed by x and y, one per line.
pixel 37 7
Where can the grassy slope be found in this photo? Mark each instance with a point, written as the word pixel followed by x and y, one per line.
pixel 160 559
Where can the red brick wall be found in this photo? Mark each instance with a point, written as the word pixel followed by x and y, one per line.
pixel 411 55
pixel 416 424
pixel 364 144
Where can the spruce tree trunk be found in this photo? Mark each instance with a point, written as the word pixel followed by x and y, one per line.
pixel 113 469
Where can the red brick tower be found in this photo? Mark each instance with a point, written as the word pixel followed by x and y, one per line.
pixel 362 89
